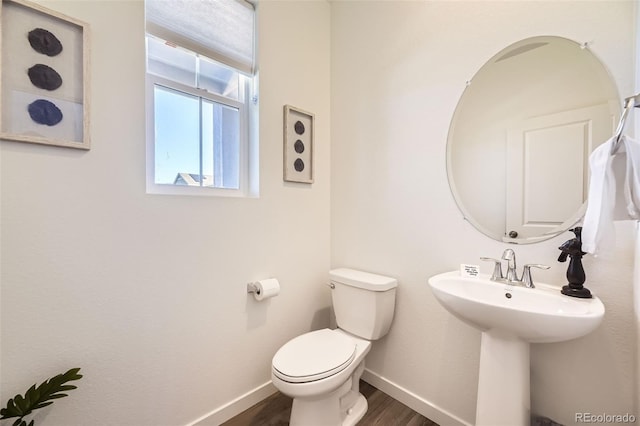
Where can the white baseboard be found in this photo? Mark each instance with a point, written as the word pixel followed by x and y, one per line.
pixel 413 401
pixel 397 392
pixel 235 407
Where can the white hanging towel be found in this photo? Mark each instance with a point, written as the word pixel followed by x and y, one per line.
pixel 614 193
pixel 632 182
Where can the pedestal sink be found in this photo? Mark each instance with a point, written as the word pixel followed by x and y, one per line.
pixel 510 317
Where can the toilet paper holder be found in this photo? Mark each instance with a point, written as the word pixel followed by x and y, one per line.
pixel 264 289
pixel 253 288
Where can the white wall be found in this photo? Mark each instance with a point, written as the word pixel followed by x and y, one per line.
pixel 147 293
pixel 397 72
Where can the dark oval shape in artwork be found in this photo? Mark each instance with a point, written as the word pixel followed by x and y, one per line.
pixel 44 112
pixel 299 127
pixel 299 146
pixel 44 42
pixel 44 77
pixel 298 165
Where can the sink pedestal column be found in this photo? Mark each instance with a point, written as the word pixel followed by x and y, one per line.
pixel 503 383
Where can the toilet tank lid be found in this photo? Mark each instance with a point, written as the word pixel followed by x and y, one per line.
pixel 364 280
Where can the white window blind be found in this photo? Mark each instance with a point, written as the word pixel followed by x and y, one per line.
pixel 219 29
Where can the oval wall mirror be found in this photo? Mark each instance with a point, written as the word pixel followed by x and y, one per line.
pixel 521 135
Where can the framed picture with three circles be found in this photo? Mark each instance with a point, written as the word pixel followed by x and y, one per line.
pixel 44 76
pixel 298 145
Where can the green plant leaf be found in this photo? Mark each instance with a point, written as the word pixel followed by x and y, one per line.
pixel 32 393
pixel 66 388
pixel 10 411
pixel 39 396
pixel 42 404
pixel 22 405
pixel 58 395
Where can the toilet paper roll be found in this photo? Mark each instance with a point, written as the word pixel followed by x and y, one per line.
pixel 266 289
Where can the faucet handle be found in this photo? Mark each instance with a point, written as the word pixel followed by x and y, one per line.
pixel 497 268
pixel 526 273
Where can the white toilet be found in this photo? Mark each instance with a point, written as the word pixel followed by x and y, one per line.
pixel 321 370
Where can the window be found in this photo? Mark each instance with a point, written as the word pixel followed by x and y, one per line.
pixel 200 97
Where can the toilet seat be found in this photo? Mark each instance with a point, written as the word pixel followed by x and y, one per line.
pixel 313 356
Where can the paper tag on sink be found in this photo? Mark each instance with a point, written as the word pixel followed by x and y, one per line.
pixel 471 271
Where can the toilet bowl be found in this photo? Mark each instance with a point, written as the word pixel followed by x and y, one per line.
pixel 321 369
pixel 324 391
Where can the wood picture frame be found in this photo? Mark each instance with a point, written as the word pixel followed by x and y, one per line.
pixel 44 76
pixel 299 130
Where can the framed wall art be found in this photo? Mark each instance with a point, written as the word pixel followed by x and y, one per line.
pixel 298 145
pixel 44 76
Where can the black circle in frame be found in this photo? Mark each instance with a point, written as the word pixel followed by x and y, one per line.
pixel 298 146
pixel 45 42
pixel 298 165
pixel 44 77
pixel 299 127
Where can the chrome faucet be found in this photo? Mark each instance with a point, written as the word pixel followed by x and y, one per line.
pixel 512 275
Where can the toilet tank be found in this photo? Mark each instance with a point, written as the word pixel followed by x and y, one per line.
pixel 363 302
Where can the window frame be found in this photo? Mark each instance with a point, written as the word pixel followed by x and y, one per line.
pixel 247 107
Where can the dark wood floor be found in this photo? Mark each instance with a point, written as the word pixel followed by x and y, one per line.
pixel 383 411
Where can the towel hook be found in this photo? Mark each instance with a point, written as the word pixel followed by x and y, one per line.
pixel 629 103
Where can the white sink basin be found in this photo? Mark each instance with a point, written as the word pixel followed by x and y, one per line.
pixel 511 317
pixel 537 315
